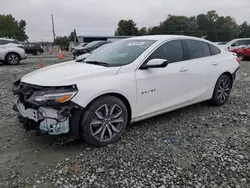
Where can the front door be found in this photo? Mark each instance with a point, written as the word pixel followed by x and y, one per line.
pixel 163 88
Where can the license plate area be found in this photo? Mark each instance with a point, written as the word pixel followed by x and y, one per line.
pixel 27 113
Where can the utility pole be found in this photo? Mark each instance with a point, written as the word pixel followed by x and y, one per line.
pixel 74 37
pixel 53 28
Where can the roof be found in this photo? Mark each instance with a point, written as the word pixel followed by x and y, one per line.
pixel 7 39
pixel 164 37
pixel 111 37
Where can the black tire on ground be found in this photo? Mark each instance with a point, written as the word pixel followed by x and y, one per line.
pixel 221 91
pixel 12 59
pixel 103 121
pixel 241 56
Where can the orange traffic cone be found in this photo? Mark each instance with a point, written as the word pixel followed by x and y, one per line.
pixel 41 62
pixel 60 54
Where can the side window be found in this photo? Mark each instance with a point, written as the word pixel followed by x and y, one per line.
pixel 171 51
pixel 214 50
pixel 3 42
pixel 245 42
pixel 197 49
pixel 235 44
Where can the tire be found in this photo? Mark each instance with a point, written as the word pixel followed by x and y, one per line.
pixel 221 91
pixel 241 56
pixel 12 59
pixel 99 129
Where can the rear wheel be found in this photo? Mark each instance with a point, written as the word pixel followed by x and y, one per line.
pixel 241 56
pixel 104 121
pixel 12 59
pixel 38 52
pixel 222 90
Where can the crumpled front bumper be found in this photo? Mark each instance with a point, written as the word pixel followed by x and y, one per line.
pixel 43 119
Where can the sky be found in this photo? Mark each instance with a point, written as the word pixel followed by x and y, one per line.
pixel 100 17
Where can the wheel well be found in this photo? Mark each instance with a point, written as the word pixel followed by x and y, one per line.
pixel 119 96
pixel 229 74
pixel 12 53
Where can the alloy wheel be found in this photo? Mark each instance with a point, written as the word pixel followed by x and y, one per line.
pixel 224 90
pixel 107 122
pixel 13 59
pixel 38 52
pixel 241 57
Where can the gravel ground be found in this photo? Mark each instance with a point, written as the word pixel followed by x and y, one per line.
pixel 197 146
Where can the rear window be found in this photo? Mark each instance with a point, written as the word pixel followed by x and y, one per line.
pixel 214 50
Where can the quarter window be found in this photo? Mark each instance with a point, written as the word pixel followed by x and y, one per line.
pixel 171 51
pixel 214 50
pixel 197 49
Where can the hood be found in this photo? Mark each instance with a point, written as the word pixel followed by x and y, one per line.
pixel 68 73
pixel 78 48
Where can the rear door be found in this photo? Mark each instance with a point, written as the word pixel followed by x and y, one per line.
pixel 202 64
pixel 247 51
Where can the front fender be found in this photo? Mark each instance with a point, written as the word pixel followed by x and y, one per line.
pixel 92 89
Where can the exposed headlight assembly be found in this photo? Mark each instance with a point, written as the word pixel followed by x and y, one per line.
pixel 52 97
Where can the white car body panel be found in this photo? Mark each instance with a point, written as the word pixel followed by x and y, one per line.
pixel 8 48
pixel 68 73
pixel 162 87
pixel 177 85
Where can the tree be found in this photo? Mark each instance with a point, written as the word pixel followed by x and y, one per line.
pixel 11 28
pixel 244 30
pixel 210 26
pixel 62 41
pixel 126 28
pixel 143 31
pixel 72 37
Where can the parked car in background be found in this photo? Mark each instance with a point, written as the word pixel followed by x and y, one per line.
pixel 243 52
pixel 126 81
pixel 88 48
pixel 236 43
pixel 79 46
pixel 11 52
pixel 33 48
pixel 220 43
pixel 82 57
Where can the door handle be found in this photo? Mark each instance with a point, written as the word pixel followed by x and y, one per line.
pixel 183 70
pixel 215 63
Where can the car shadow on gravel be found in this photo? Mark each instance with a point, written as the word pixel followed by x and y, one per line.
pixel 170 115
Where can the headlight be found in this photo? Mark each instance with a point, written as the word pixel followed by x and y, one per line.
pixel 52 97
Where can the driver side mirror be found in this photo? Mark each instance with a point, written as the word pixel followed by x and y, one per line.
pixel 155 63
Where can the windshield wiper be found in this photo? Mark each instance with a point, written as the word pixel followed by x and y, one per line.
pixel 97 63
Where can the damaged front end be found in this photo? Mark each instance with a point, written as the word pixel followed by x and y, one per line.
pixel 48 110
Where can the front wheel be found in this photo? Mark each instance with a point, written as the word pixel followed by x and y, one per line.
pixel 12 59
pixel 222 90
pixel 104 121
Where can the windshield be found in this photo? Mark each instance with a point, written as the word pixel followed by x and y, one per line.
pixel 231 42
pixel 121 52
pixel 92 44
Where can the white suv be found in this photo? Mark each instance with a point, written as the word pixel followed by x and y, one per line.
pixel 11 52
pixel 127 81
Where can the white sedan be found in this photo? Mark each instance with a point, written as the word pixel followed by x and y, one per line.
pixel 125 82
